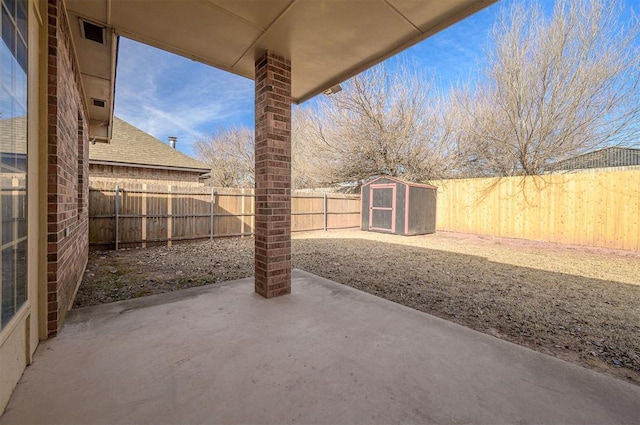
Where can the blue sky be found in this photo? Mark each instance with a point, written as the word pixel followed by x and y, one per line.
pixel 167 95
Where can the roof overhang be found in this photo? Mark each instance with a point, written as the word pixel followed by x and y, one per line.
pixel 328 41
pixel 97 66
pixel 149 166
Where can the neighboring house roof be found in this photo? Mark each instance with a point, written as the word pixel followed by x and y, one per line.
pixel 602 158
pixel 13 135
pixel 131 146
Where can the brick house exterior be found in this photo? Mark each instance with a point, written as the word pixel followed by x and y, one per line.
pixel 44 139
pixel 133 155
pixel 122 173
pixel 67 191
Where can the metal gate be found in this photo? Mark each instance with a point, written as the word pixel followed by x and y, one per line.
pixel 382 207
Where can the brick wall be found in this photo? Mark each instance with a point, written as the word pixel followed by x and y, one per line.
pixel 67 164
pixel 273 176
pixel 138 173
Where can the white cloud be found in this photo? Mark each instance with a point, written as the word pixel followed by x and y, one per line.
pixel 164 95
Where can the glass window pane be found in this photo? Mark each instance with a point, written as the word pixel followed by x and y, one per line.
pixel 21 273
pixel 21 54
pixel 11 6
pixel 21 211
pixel 13 158
pixel 6 200
pixel 21 18
pixel 8 284
pixel 8 32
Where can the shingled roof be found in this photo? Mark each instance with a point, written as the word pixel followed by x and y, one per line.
pixel 130 145
pixel 613 156
pixel 13 135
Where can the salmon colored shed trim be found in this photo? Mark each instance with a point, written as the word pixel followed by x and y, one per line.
pixel 406 209
pixel 401 182
pixel 392 208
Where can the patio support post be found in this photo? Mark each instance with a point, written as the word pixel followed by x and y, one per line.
pixel 273 175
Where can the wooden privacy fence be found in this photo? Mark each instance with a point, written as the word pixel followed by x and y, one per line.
pixel 144 214
pixel 600 209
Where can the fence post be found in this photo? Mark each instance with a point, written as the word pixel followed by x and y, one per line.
pixel 243 218
pixel 169 216
pixel 143 230
pixel 213 202
pixel 324 209
pixel 252 210
pixel 117 207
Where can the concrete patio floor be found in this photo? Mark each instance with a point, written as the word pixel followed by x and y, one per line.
pixel 326 353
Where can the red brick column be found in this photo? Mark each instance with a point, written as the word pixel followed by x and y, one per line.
pixel 273 176
pixel 67 158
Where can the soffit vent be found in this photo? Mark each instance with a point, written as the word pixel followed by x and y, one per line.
pixel 100 103
pixel 92 32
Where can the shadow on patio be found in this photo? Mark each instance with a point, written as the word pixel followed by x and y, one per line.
pixel 326 353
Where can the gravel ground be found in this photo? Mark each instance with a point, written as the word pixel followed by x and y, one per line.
pixel 579 304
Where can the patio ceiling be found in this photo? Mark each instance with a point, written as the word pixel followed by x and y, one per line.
pixel 327 41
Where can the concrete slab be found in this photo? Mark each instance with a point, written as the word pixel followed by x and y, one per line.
pixel 324 354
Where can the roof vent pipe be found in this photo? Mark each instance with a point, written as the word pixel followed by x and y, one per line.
pixel 172 141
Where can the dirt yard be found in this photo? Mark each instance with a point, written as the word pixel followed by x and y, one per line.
pixel 575 303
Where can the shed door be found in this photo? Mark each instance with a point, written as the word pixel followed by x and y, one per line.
pixel 382 207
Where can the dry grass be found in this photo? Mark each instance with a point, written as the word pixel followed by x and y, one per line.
pixel 579 304
pixel 576 303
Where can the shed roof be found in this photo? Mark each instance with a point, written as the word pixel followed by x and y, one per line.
pixel 394 179
pixel 130 145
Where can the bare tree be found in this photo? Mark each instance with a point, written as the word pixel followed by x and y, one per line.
pixel 307 157
pixel 230 153
pixel 384 122
pixel 555 87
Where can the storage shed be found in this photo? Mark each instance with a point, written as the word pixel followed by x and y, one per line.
pixel 394 206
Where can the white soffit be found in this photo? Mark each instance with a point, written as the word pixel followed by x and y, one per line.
pixel 327 41
pixel 97 65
